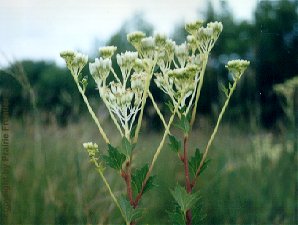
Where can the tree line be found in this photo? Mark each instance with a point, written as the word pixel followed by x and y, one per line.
pixel 269 41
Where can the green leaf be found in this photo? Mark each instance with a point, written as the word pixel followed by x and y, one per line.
pixel 224 89
pixel 126 147
pixel 194 163
pixel 175 144
pixel 114 159
pixel 84 82
pixel 129 212
pixel 137 179
pixel 176 216
pixel 184 124
pixel 197 214
pixel 185 200
pixel 170 106
pixel 133 132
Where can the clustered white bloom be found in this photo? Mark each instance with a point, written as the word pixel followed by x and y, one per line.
pixel 237 67
pixel 75 61
pixel 203 38
pixel 122 99
pixel 91 147
pixel 187 58
pixel 100 70
pixel 178 73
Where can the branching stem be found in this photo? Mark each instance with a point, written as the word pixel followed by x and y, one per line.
pixel 186 166
pixel 146 88
pixel 101 131
pixel 157 109
pixel 158 150
pixel 198 93
pixel 210 141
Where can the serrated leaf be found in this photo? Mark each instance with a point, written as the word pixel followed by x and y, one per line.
pixel 126 147
pixel 195 161
pixel 137 179
pixel 198 215
pixel 170 106
pixel 84 82
pixel 224 89
pixel 129 212
pixel 114 159
pixel 184 124
pixel 176 216
pixel 175 144
pixel 185 200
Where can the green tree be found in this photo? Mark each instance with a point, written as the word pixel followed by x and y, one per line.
pixel 276 52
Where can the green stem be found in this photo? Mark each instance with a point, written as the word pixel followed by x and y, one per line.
pixel 215 131
pixel 110 191
pixel 101 131
pixel 198 92
pixel 113 117
pixel 158 150
pixel 157 109
pixel 147 84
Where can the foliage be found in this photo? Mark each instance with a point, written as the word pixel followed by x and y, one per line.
pixel 58 185
pixel 178 71
pixel 114 159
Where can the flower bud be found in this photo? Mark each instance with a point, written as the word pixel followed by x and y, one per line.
pixel 91 147
pixel 237 67
pixel 107 52
pixel 160 40
pixel 135 38
pixel 193 27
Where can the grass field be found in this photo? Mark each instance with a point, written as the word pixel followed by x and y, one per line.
pixel 251 178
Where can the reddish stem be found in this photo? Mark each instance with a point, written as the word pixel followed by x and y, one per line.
pixel 139 196
pixel 187 178
pixel 186 166
pixel 127 177
pixel 188 217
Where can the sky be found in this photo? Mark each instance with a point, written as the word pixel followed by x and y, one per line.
pixel 40 29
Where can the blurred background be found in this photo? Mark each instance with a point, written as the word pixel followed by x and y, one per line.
pixel 252 177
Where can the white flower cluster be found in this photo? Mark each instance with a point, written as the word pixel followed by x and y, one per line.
pixel 75 61
pixel 100 70
pixel 122 100
pixel 237 67
pixel 203 38
pixel 187 58
pixel 179 70
pixel 179 83
pixel 92 148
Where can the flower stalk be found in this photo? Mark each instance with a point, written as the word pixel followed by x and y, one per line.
pixel 178 71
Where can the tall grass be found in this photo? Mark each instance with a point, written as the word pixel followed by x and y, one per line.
pixel 251 179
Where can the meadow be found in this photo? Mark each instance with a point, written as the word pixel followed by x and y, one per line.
pixel 251 179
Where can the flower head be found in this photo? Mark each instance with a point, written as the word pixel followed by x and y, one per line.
pixel 160 40
pixel 237 67
pixel 92 148
pixel 148 46
pixel 193 27
pixel 75 61
pixel 107 52
pixel 181 52
pixel 127 59
pixel 135 38
pixel 100 69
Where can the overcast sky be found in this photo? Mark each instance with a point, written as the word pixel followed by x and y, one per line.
pixel 40 29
